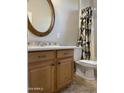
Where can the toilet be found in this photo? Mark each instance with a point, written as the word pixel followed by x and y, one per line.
pixel 86 69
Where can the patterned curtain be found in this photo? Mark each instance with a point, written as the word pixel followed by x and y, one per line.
pixel 85 32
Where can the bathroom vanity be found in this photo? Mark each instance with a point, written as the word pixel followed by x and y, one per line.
pixel 49 70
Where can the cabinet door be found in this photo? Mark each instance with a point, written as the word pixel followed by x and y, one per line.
pixel 41 79
pixel 64 72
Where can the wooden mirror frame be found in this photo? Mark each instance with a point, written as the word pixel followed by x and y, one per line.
pixel 38 33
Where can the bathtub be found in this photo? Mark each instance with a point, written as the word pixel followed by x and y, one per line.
pixel 86 69
pixel 87 63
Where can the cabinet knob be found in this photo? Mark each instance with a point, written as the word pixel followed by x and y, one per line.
pixel 59 62
pixel 52 64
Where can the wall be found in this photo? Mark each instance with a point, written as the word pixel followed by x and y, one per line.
pixel 65 31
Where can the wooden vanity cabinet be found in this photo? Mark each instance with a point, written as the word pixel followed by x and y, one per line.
pixel 41 70
pixel 41 77
pixel 49 71
pixel 64 73
pixel 64 68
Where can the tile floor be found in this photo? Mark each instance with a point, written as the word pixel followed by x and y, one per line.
pixel 80 85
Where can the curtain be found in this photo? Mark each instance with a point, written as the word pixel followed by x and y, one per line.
pixel 85 32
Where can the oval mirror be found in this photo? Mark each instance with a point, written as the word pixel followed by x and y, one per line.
pixel 41 17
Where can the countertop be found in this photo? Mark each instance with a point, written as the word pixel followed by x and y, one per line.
pixel 38 48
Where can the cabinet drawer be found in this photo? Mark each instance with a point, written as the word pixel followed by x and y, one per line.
pixel 41 56
pixel 64 53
